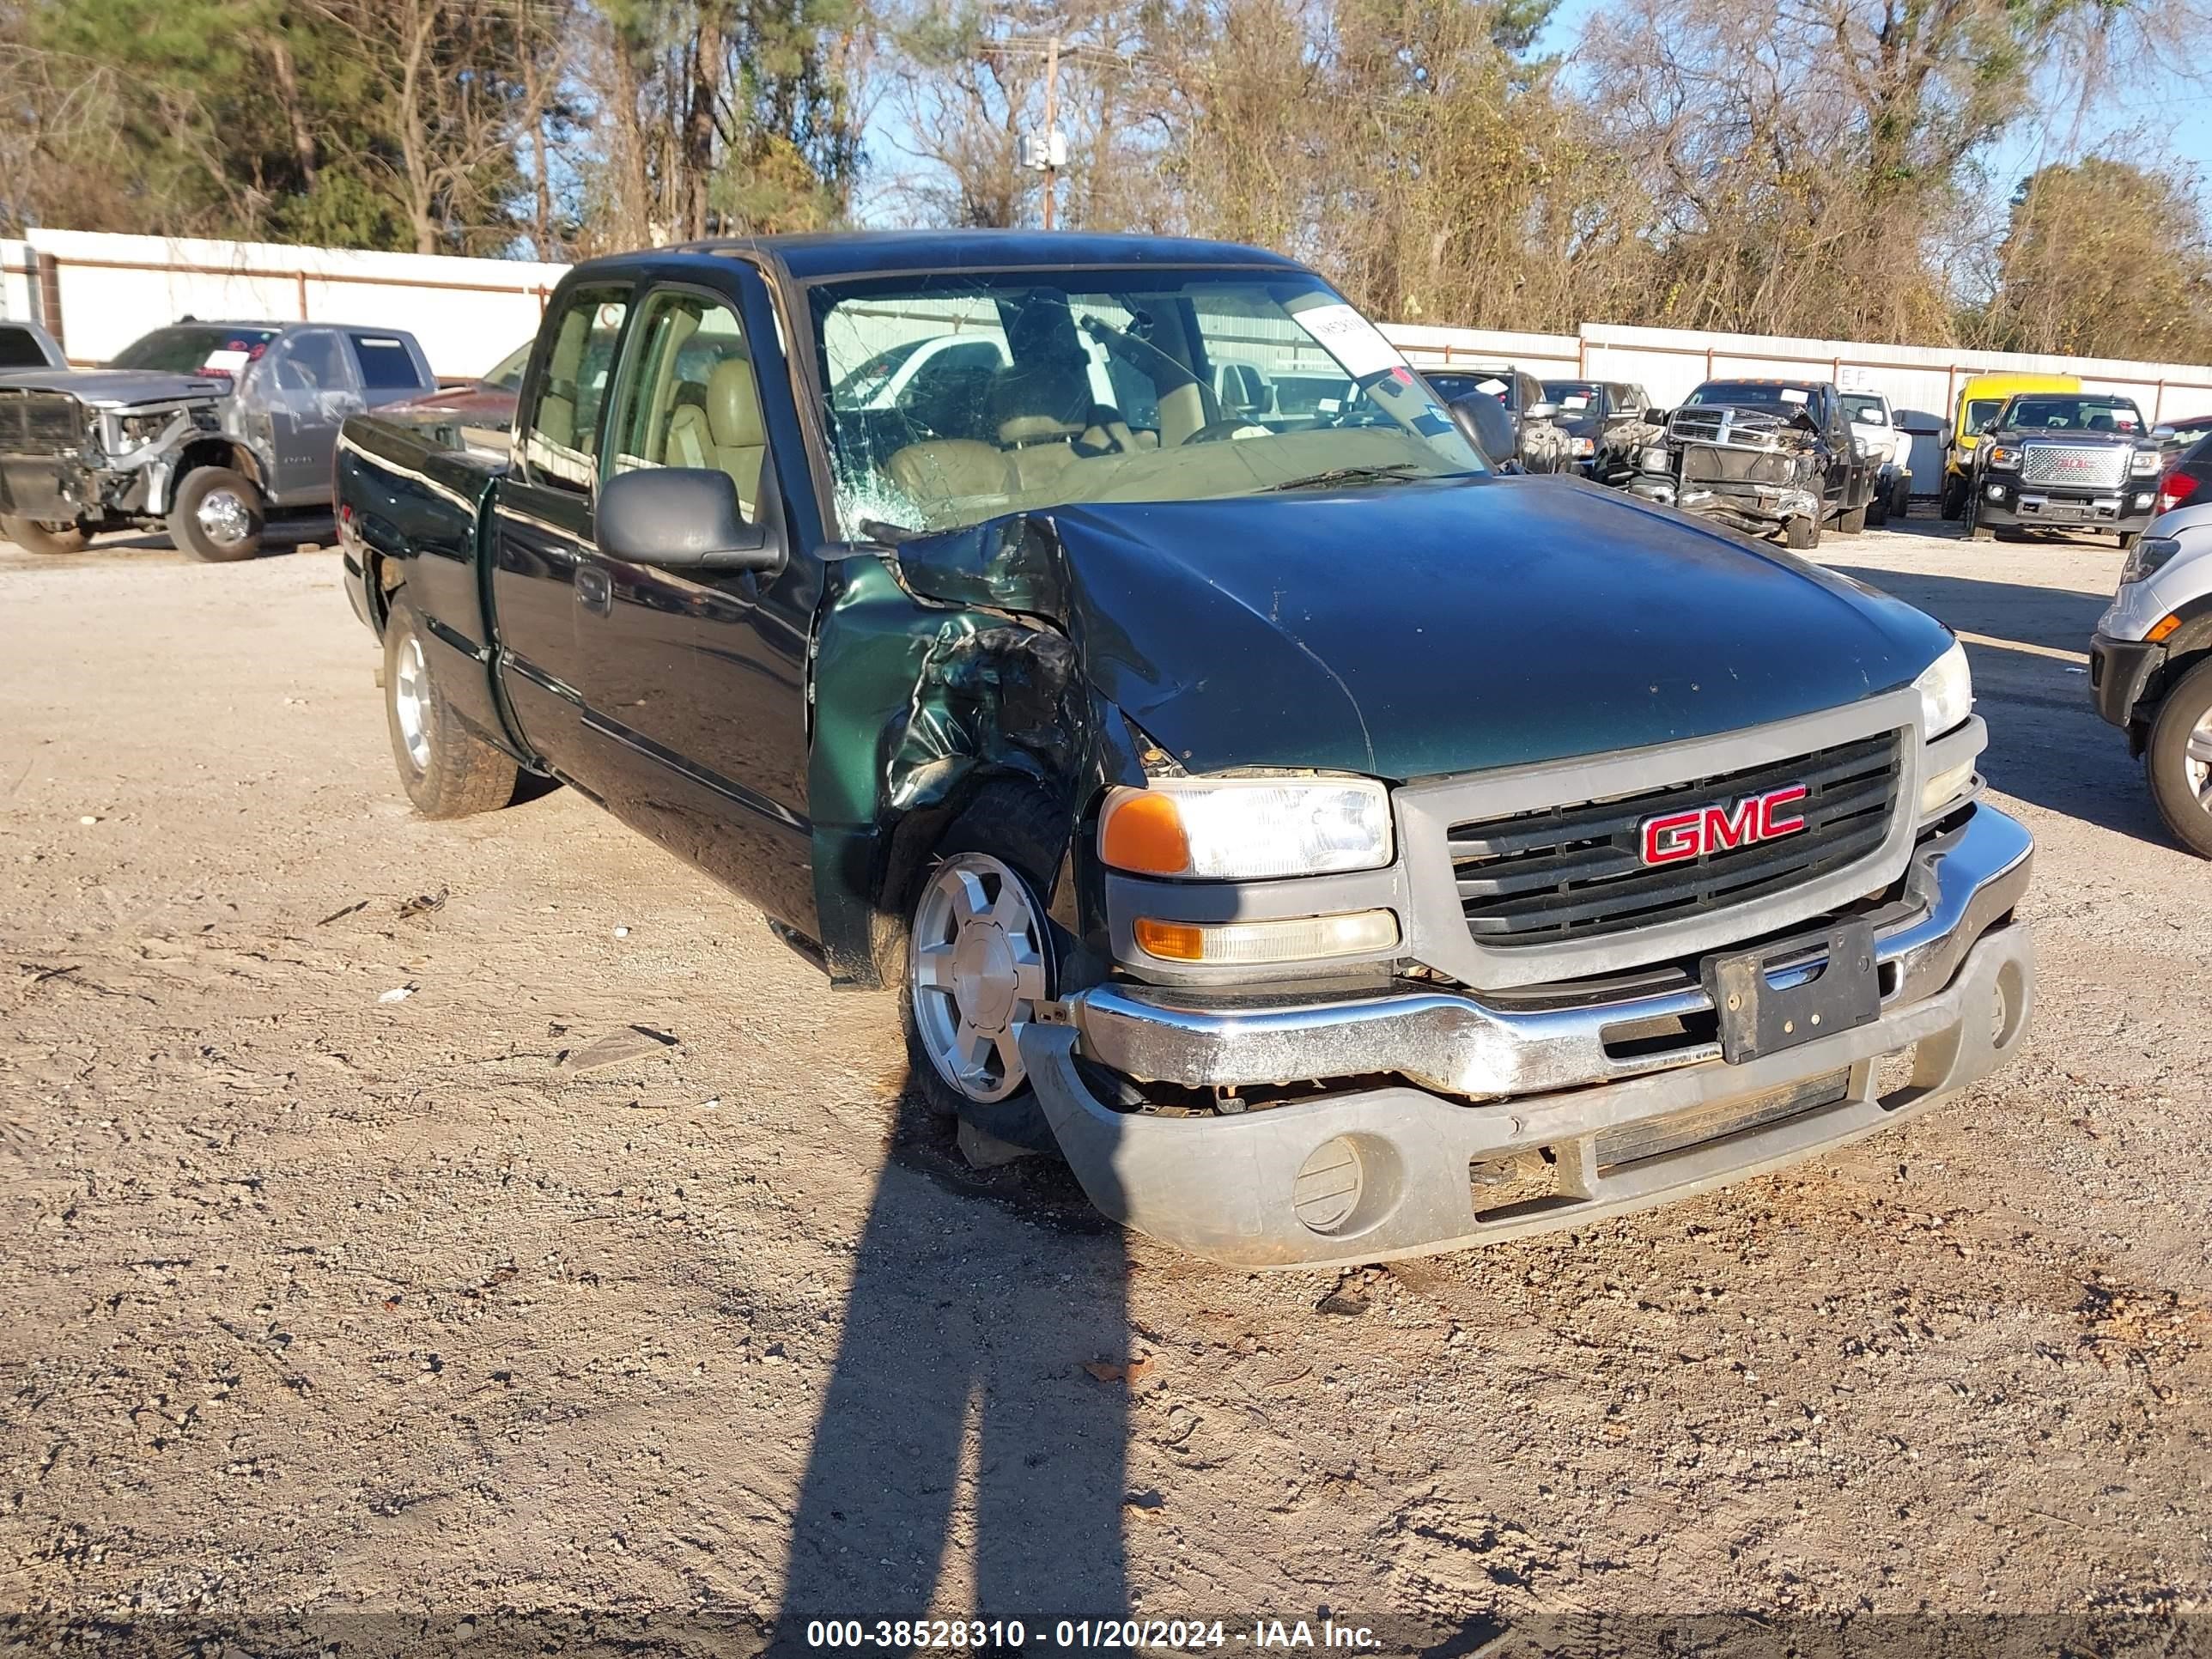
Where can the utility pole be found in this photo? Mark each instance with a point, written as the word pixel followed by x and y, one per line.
pixel 1051 132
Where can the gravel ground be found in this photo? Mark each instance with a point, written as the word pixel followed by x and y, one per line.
pixel 592 1285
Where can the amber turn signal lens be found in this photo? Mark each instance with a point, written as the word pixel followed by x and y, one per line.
pixel 1143 833
pixel 1170 941
pixel 2164 629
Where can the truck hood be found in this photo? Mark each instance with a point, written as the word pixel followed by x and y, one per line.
pixel 119 388
pixel 1410 630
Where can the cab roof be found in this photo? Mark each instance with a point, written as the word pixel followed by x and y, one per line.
pixel 814 256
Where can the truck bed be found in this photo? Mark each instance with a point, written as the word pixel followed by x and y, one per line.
pixel 411 499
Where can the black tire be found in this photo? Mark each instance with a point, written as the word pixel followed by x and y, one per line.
pixel 1954 497
pixel 1854 522
pixel 192 533
pixel 1877 509
pixel 1017 826
pixel 2165 756
pixel 1801 534
pixel 34 537
pixel 2127 538
pixel 1976 530
pixel 1900 501
pixel 447 769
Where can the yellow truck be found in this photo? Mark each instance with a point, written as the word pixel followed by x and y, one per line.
pixel 1979 399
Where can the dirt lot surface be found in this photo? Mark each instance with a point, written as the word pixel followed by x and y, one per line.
pixel 436 1223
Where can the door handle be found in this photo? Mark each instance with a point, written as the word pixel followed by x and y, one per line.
pixel 595 590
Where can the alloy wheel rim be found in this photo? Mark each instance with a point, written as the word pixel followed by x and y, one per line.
pixel 224 518
pixel 2196 760
pixel 410 689
pixel 975 964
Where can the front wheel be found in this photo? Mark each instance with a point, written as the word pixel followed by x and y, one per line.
pixel 978 961
pixel 1801 533
pixel 216 516
pixel 41 535
pixel 448 770
pixel 1954 497
pixel 2177 760
pixel 1853 522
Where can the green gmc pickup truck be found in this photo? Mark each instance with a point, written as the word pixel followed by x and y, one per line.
pixel 1333 850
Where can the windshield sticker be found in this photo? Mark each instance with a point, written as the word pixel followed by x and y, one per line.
pixel 1432 422
pixel 1494 386
pixel 1349 338
pixel 227 362
pixel 1329 405
pixel 1791 394
pixel 1574 403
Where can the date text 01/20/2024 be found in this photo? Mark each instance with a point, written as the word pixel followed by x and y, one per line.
pixel 1171 1633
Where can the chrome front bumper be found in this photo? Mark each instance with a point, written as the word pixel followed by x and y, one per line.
pixel 1556 1079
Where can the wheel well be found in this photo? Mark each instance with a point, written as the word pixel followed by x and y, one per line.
pixel 907 851
pixel 2188 646
pixel 217 452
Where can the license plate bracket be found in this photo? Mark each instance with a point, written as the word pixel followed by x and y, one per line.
pixel 1759 1017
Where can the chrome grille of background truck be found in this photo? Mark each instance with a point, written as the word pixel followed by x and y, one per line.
pixel 1575 871
pixel 2093 466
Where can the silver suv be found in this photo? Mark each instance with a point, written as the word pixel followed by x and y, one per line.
pixel 2150 667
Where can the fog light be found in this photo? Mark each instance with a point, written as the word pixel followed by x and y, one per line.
pixel 1944 788
pixel 2141 502
pixel 1294 938
pixel 1995 492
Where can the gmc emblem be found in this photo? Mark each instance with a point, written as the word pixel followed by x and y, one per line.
pixel 1678 837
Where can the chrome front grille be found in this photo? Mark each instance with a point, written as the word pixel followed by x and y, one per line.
pixel 2089 467
pixel 1575 873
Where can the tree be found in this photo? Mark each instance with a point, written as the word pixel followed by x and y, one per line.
pixel 2104 257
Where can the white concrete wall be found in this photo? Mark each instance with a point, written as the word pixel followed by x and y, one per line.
pixel 469 313
pixel 15 282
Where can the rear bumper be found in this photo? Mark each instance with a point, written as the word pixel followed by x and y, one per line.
pixel 1376 1173
pixel 2120 672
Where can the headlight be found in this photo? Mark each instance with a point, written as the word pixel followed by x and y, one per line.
pixel 1585 446
pixel 2149 556
pixel 1947 692
pixel 1653 459
pixel 2146 463
pixel 2003 457
pixel 1247 829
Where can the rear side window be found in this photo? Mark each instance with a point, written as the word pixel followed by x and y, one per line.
pixel 386 365
pixel 19 351
pixel 561 430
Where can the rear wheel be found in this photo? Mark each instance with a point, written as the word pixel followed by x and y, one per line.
pixel 1801 533
pixel 448 770
pixel 2177 760
pixel 979 959
pixel 42 536
pixel 1954 497
pixel 1900 500
pixel 1877 507
pixel 217 515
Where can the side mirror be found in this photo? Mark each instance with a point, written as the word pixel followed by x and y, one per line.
pixel 684 518
pixel 2165 434
pixel 1485 422
pixel 1542 411
pixel 1657 416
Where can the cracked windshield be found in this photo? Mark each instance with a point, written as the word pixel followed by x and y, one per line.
pixel 954 400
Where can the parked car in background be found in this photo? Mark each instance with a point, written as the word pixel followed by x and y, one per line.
pixel 1981 397
pixel 1539 445
pixel 1322 894
pixel 1607 422
pixel 1773 457
pixel 479 414
pixel 205 429
pixel 25 346
pixel 2150 666
pixel 1889 446
pixel 2187 479
pixel 2063 461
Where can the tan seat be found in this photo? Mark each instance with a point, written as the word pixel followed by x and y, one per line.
pixel 941 468
pixel 727 433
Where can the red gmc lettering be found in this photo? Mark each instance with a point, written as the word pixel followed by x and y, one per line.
pixel 1677 837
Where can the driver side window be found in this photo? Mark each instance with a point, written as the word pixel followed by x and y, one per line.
pixel 559 438
pixel 310 362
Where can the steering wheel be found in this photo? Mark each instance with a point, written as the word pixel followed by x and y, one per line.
pixel 1216 431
